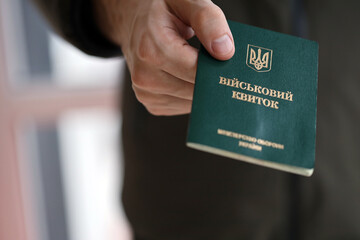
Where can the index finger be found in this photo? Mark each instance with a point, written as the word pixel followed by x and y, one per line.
pixel 181 57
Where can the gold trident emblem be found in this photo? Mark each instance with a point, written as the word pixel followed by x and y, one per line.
pixel 258 61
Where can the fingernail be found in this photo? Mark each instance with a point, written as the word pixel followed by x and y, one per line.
pixel 222 45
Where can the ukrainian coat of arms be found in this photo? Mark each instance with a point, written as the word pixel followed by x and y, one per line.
pixel 259 58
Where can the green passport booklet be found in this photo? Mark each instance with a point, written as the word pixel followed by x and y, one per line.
pixel 259 106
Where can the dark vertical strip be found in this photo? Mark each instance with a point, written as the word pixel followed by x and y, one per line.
pixel 299 19
pixel 51 178
pixel 300 29
pixel 37 43
pixel 294 208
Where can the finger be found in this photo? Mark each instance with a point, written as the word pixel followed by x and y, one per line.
pixel 182 57
pixel 182 61
pixel 178 57
pixel 185 31
pixel 147 78
pixel 176 87
pixel 168 111
pixel 209 24
pixel 161 101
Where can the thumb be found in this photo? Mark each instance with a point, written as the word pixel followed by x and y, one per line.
pixel 209 24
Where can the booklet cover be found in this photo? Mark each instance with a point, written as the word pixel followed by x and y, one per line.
pixel 259 106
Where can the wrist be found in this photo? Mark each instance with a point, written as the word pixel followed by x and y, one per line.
pixel 108 18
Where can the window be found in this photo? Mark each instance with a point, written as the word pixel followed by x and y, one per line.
pixel 59 135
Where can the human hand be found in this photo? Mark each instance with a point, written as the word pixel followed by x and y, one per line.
pixel 153 36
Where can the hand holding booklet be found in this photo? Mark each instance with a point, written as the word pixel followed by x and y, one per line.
pixel 259 106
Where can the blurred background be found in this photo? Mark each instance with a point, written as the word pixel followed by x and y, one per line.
pixel 60 149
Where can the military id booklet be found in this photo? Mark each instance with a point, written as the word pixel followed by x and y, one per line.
pixel 259 106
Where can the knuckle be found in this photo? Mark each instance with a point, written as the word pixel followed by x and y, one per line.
pixel 148 99
pixel 141 98
pixel 145 99
pixel 149 52
pixel 142 80
pixel 148 81
pixel 138 78
pixel 144 50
